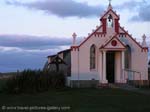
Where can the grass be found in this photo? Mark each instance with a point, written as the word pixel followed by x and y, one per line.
pixel 2 83
pixel 81 100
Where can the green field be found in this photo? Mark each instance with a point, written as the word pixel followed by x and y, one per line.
pixel 80 100
pixel 2 83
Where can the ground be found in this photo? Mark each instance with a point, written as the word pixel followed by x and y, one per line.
pixel 81 100
pixel 2 82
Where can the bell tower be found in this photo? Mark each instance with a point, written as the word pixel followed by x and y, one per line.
pixel 110 20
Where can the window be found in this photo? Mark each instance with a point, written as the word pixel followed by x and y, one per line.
pixel 110 21
pixel 92 57
pixel 128 57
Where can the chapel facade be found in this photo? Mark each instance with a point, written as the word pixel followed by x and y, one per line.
pixel 108 55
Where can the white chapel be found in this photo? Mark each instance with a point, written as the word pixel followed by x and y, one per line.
pixel 109 54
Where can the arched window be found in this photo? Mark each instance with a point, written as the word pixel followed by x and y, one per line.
pixel 110 21
pixel 128 57
pixel 92 57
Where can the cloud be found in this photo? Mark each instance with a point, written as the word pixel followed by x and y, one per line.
pixel 62 8
pixel 14 58
pixel 143 13
pixel 140 8
pixel 27 41
pixel 13 61
pixel 71 8
pixel 20 52
pixel 129 5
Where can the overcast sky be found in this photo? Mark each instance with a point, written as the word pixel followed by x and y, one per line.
pixel 30 30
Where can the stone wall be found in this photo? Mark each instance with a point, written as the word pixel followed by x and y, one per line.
pixel 139 83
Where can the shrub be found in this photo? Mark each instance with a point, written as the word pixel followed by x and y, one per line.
pixel 31 81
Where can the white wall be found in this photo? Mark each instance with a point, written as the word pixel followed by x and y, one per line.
pixel 139 58
pixel 80 60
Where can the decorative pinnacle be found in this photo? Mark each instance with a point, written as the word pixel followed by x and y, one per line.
pixel 144 37
pixel 74 35
pixel 109 2
pixel 144 41
pixel 109 6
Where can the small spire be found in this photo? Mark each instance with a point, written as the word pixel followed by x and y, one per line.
pixel 109 6
pixel 109 2
pixel 74 35
pixel 144 41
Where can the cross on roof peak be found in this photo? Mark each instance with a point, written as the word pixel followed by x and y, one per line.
pixel 109 2
pixel 109 6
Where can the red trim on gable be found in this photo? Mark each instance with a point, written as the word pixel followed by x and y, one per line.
pixel 100 34
pixel 111 40
pixel 132 38
pixel 90 36
pixel 121 34
pixel 145 49
pixel 108 12
pixel 75 48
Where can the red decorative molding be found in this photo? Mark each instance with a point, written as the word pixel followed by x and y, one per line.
pixel 110 10
pixel 115 36
pixel 74 48
pixel 99 34
pixel 145 49
pixel 104 24
pixel 121 34
pixel 114 43
pixel 117 26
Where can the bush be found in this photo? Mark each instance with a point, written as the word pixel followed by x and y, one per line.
pixel 31 81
